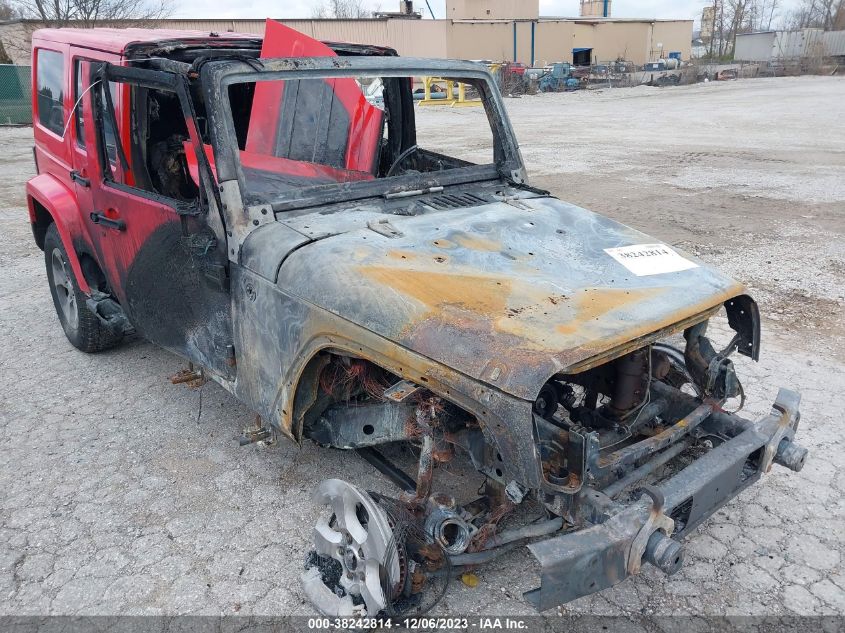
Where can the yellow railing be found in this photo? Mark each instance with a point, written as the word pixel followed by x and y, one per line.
pixel 449 98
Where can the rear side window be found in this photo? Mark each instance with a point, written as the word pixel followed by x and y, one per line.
pixel 77 112
pixel 78 91
pixel 49 75
pixel 108 127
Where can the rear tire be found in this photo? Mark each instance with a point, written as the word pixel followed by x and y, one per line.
pixel 82 327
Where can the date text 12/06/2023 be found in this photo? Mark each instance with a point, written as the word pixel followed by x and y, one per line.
pixel 481 623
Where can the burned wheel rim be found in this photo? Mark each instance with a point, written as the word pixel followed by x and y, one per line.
pixel 62 280
pixel 358 536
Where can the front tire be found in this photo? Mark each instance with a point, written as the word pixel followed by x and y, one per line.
pixel 82 327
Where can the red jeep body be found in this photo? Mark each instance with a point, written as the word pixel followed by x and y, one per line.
pixel 104 222
pixel 63 192
pixel 276 216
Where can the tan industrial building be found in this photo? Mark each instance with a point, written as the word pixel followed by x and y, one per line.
pixel 510 30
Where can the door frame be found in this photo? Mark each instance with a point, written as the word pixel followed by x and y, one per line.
pixel 140 233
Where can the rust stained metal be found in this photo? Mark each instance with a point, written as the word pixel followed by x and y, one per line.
pixel 470 241
pixel 582 562
pixel 659 441
pixel 401 391
pixel 426 417
pixel 656 521
pixel 529 290
pixel 478 293
pixel 191 377
pixel 594 303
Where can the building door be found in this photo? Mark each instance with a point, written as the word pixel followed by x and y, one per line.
pixel 582 56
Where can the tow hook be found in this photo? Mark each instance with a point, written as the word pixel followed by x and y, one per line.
pixel 652 543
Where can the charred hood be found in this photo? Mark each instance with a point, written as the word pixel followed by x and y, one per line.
pixel 509 293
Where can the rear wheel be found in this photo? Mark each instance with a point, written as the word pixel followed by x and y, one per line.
pixel 82 327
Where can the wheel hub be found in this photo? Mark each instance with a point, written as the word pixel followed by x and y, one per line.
pixel 350 560
pixel 63 285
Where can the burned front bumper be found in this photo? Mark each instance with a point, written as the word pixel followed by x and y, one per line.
pixel 622 537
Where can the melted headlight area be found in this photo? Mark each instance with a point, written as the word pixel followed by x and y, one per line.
pixel 616 424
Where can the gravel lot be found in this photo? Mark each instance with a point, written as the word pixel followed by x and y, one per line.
pixel 118 494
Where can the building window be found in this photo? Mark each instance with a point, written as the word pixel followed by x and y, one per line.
pixel 49 77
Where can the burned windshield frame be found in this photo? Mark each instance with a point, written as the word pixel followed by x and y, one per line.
pixel 217 77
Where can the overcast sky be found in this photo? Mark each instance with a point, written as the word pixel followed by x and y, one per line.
pixel 686 9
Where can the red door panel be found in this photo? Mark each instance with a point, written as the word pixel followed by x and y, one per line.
pixel 123 223
pixel 161 266
pixel 119 220
pixel 85 171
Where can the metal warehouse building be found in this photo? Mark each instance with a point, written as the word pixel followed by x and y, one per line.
pixel 497 30
pixel 767 46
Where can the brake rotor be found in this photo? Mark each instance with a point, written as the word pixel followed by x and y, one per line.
pixel 357 565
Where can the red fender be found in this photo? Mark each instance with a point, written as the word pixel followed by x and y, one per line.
pixel 61 204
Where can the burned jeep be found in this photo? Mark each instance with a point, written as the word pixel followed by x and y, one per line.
pixel 283 215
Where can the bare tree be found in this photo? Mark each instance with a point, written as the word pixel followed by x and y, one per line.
pixel 7 11
pixel 819 14
pixel 91 13
pixel 341 9
pixel 732 17
pixel 739 22
pixel 761 14
pixel 717 28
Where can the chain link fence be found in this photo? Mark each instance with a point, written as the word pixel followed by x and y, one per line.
pixel 15 95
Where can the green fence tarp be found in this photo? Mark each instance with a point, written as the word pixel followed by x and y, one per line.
pixel 15 95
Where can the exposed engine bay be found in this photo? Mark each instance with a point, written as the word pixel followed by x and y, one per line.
pixel 599 435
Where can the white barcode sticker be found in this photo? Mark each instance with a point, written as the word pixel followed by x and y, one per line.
pixel 650 259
